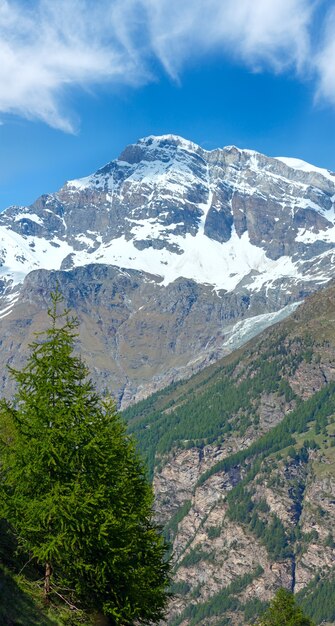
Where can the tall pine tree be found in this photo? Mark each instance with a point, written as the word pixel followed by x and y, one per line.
pixel 283 611
pixel 74 489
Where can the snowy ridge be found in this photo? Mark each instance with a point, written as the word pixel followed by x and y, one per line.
pixel 154 140
pixel 299 164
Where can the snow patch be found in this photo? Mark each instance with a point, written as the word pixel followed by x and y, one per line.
pixel 11 299
pixel 307 236
pixel 79 183
pixel 21 255
pixel 156 139
pixel 28 216
pixel 223 265
pixel 244 330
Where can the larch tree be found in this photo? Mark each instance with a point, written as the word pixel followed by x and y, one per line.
pixel 74 489
pixel 284 611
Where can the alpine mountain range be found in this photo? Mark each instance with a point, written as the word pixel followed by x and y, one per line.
pixel 171 255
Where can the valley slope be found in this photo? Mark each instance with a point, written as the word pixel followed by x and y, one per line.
pixel 243 460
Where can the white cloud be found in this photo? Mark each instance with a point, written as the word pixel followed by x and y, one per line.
pixel 258 32
pixel 325 61
pixel 48 47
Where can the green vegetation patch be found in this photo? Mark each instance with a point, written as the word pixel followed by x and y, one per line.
pixel 318 599
pixel 21 604
pixel 170 529
pixel 319 407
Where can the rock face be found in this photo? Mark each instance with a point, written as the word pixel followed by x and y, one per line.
pixel 135 334
pixel 204 248
pixel 212 551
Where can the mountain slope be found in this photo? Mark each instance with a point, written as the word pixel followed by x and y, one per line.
pixel 244 462
pixel 135 334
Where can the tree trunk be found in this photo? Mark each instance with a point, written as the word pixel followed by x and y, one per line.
pixel 101 620
pixel 47 587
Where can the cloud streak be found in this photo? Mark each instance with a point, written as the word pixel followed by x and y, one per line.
pixel 47 48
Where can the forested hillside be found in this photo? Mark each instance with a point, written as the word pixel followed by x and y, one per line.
pixel 243 460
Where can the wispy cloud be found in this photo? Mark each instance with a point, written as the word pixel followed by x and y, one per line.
pixel 325 60
pixel 259 32
pixel 48 47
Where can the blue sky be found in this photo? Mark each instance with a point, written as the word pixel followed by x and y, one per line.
pixel 80 79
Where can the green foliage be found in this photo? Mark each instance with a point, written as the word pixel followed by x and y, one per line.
pixel 283 611
pixel 269 530
pixel 252 608
pixel 8 544
pixel 319 407
pixel 329 541
pixel 180 588
pixel 310 537
pixel 318 599
pixel 195 555
pixel 213 532
pixel 74 489
pixel 263 506
pixel 170 529
pixel 275 539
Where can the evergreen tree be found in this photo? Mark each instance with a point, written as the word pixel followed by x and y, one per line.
pixel 283 611
pixel 74 489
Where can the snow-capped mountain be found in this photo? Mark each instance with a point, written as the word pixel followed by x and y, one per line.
pixel 168 207
pixel 257 231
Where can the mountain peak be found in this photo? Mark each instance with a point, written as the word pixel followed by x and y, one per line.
pixel 232 218
pixel 159 140
pixel 156 147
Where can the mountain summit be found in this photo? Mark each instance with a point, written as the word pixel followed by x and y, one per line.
pixel 171 208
